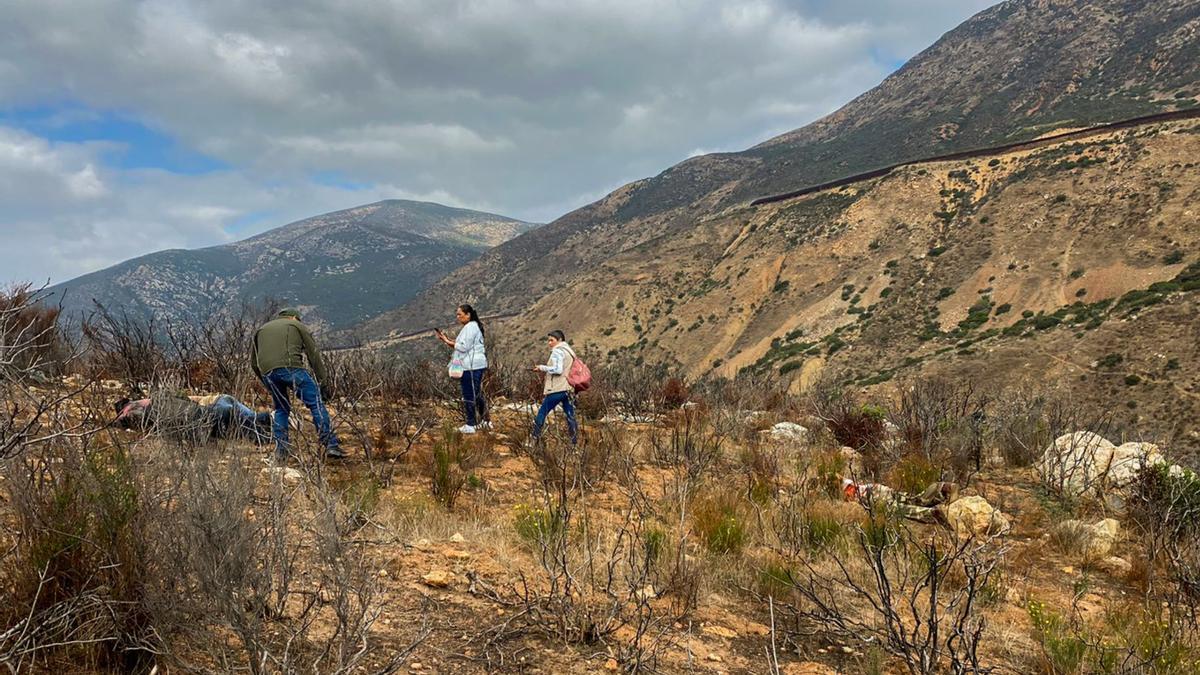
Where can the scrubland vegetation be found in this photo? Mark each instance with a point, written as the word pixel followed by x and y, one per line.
pixel 698 526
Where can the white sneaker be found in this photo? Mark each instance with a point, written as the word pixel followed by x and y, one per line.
pixel 466 429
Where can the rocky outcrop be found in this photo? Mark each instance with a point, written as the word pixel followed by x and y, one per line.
pixel 1084 464
pixel 975 517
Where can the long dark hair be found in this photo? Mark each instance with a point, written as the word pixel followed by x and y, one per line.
pixel 470 311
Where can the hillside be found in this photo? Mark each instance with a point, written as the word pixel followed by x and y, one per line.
pixel 341 267
pixel 1017 70
pixel 870 282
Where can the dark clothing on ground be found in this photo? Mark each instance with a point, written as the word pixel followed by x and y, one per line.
pixel 280 382
pixel 195 419
pixel 550 402
pixel 285 343
pixel 474 404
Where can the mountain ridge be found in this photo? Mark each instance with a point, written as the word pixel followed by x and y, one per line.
pixel 340 267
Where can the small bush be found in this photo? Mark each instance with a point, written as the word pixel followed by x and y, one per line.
pixel 1062 650
pixel 1046 321
pixel 717 520
pixel 450 464
pixel 536 525
pixel 914 472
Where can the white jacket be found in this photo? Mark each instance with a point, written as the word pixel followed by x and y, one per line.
pixel 468 346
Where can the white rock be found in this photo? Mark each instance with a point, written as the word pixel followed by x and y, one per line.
pixel 289 474
pixel 1076 463
pixel 789 431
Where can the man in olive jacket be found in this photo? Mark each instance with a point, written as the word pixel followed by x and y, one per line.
pixel 277 355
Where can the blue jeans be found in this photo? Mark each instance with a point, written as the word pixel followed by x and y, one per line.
pixel 280 382
pixel 233 415
pixel 550 403
pixel 472 390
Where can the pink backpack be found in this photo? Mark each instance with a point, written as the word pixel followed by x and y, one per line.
pixel 580 376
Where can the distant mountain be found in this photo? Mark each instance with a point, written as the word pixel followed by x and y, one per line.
pixel 1018 70
pixel 341 268
pixel 1036 266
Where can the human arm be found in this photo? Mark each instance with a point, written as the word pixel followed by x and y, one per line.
pixel 254 357
pixel 437 332
pixel 312 353
pixel 555 367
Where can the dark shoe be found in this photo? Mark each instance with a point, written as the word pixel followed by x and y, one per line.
pixel 334 453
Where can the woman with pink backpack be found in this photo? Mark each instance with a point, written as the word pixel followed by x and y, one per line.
pixel 564 373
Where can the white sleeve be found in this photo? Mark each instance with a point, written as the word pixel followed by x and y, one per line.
pixel 556 363
pixel 465 342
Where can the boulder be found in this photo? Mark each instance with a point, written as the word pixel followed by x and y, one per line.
pixel 790 432
pixel 1084 464
pixel 974 516
pixel 1116 567
pixel 1075 463
pixel 854 463
pixel 1128 459
pixel 288 474
pixel 438 579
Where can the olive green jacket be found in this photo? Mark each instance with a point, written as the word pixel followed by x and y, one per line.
pixel 285 343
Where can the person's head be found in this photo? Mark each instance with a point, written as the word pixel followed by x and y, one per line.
pixel 467 314
pixel 555 338
pixel 120 404
pixel 289 313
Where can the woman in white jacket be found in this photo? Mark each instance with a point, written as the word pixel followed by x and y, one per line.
pixel 556 390
pixel 468 347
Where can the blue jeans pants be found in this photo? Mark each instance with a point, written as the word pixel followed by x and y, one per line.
pixel 233 416
pixel 474 404
pixel 550 403
pixel 280 382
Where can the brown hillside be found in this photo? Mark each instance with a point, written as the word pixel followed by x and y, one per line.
pixel 1015 71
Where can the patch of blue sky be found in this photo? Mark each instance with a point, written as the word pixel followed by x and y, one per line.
pixel 249 223
pixel 339 180
pixel 889 62
pixel 134 144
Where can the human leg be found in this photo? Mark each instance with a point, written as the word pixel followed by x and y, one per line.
pixel 481 408
pixel 470 390
pixel 569 411
pixel 550 402
pixel 539 421
pixel 278 384
pixel 310 396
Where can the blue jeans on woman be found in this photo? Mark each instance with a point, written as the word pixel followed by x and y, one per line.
pixel 473 402
pixel 551 402
pixel 280 382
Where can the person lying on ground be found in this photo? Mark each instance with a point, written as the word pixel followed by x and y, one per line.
pixel 282 354
pixel 469 363
pixel 924 508
pixel 213 416
pixel 556 391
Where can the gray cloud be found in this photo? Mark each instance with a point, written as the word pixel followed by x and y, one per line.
pixel 525 107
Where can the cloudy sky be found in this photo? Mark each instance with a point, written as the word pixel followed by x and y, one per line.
pixel 128 127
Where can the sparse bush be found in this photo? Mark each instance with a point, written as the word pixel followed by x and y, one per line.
pixel 717 520
pixel 30 338
pixel 451 461
pixel 913 473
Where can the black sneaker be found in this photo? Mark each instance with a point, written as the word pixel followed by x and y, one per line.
pixel 334 453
